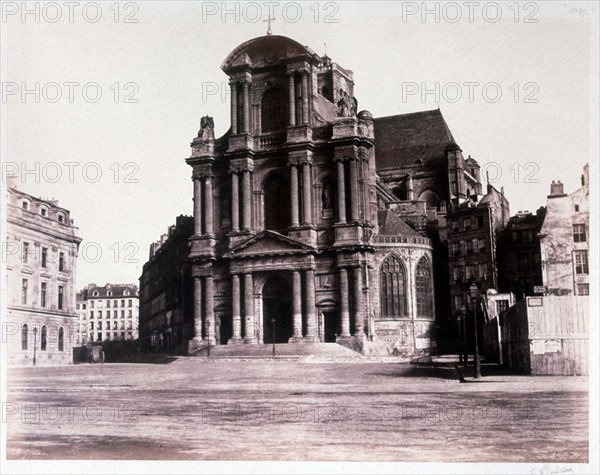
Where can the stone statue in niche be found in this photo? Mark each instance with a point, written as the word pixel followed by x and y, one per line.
pixel 207 126
pixel 326 197
pixel 346 105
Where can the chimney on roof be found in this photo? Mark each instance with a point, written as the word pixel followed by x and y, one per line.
pixel 556 189
pixel 11 181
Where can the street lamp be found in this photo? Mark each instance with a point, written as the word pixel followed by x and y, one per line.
pixel 34 344
pixel 273 326
pixel 474 293
pixel 465 353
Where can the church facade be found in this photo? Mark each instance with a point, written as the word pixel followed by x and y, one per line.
pixel 303 230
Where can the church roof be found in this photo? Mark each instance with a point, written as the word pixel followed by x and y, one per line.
pixel 403 140
pixel 266 50
pixel 392 225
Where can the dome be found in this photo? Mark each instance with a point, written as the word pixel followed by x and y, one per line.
pixel 365 115
pixel 453 147
pixel 266 50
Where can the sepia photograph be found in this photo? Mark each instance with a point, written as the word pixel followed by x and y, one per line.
pixel 299 237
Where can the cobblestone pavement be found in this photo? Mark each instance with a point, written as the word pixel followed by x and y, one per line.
pixel 288 410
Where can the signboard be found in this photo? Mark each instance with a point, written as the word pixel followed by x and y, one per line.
pixel 540 289
pixel 535 302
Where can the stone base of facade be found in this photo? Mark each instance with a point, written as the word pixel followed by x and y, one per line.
pixel 197 345
pixel 296 340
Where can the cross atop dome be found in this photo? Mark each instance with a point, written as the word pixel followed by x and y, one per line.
pixel 269 20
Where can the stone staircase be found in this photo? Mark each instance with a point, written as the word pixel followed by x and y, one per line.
pixel 292 351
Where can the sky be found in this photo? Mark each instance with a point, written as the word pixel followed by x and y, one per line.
pixel 100 104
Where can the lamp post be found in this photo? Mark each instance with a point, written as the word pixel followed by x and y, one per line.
pixel 273 327
pixel 208 338
pixel 465 353
pixel 34 344
pixel 474 293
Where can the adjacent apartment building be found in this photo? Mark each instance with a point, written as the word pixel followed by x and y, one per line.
pixel 41 254
pixel 108 312
pixel 564 239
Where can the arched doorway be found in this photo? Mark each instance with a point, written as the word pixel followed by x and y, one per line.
pixel 277 305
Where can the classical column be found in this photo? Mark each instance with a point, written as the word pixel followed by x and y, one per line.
pixel 358 310
pixel 249 306
pixel 246 128
pixel 209 305
pixel 208 205
pixel 292 98
pixel 294 192
pixel 236 317
pixel 304 98
pixel 344 313
pixel 235 202
pixel 197 205
pixel 234 106
pixel 297 303
pixel 341 189
pixel 311 315
pixel 307 195
pixel 353 191
pixel 247 199
pixel 197 308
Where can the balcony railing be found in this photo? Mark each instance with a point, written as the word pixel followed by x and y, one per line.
pixel 271 140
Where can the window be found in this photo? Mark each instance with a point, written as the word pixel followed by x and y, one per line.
pixel 115 314
pixel 61 218
pixel 61 262
pixel 456 274
pixel 501 306
pixel 44 212
pixel 122 303
pixel 581 262
pixel 61 291
pixel 115 303
pixel 454 188
pixel 483 271
pixel 92 304
pixel 25 256
pixel 424 284
pixel 95 294
pixel 43 295
pixel 455 226
pixel 99 336
pixel 583 289
pixel 61 339
pixel 392 288
pixel 482 243
pixel 456 249
pixel 129 314
pixel 274 111
pixel 99 313
pixel 99 325
pixel 43 339
pixel 122 313
pixel 458 302
pixel 91 314
pixel 579 233
pixel 469 245
pixel 122 335
pixel 24 336
pixel 44 256
pixel 77 306
pixel 475 244
pixel 109 293
pixel 25 205
pixel 91 325
pixel 83 306
pixel 480 221
pixel 576 208
pixel 130 303
pixel 24 288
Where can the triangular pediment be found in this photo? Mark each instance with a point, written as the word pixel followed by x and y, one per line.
pixel 268 243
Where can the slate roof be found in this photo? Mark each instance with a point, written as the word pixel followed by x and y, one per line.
pixel 403 140
pixel 392 225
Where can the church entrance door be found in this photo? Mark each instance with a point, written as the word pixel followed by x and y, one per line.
pixel 277 305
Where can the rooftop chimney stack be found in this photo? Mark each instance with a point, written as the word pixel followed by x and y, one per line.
pixel 556 189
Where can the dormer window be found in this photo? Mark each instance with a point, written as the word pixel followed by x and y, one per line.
pixel 95 293
pixel 25 205
pixel 126 292
pixel 61 218
pixel 44 212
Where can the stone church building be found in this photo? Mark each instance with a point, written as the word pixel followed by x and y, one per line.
pixel 313 221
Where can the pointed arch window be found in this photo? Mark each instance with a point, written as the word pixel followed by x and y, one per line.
pixel 424 287
pixel 392 288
